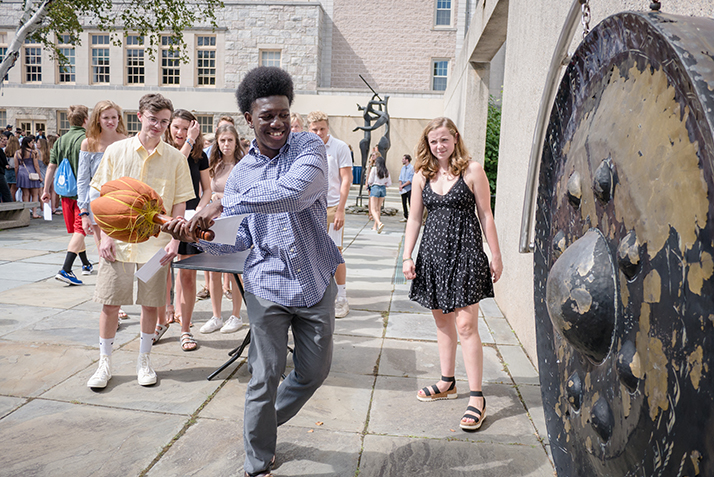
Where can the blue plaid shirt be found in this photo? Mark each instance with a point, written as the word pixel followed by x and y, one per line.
pixel 293 259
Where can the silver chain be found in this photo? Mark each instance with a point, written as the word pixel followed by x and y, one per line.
pixel 585 20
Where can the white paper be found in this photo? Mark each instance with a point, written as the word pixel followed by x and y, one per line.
pixel 151 267
pixel 189 214
pixel 226 228
pixel 335 235
pixel 47 211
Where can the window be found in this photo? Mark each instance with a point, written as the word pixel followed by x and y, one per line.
pixel 133 126
pixel 443 13
pixel 62 122
pixel 66 62
pixel 135 69
pixel 270 58
pixel 100 59
pixel 170 61
pixel 440 70
pixel 206 123
pixel 3 118
pixel 206 60
pixel 33 62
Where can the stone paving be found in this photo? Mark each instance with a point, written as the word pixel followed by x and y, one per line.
pixel 365 419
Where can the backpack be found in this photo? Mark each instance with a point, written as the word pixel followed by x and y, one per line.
pixel 65 182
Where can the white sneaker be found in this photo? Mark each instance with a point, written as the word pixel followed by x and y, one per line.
pixel 233 324
pixel 342 307
pixel 144 372
pixel 215 323
pixel 103 374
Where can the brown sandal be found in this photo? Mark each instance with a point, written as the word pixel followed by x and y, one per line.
pixel 474 413
pixel 433 394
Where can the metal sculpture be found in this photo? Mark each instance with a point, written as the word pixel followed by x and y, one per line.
pixel 376 110
pixel 624 252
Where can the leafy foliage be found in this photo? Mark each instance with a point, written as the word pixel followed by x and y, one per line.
pixel 43 20
pixel 493 134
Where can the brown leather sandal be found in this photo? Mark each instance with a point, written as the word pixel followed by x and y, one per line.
pixel 432 393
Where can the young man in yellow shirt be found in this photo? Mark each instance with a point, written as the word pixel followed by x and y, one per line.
pixel 145 157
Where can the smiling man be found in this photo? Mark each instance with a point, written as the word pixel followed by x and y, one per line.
pixel 282 183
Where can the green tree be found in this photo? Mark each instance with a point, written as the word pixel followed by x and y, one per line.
pixel 43 20
pixel 493 134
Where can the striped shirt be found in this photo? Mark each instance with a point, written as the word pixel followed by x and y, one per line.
pixel 292 259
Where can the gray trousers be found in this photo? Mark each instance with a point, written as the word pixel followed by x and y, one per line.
pixel 268 405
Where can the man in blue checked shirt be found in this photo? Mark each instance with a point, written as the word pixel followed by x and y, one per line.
pixel 282 182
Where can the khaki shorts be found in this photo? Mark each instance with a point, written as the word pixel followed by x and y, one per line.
pixel 331 211
pixel 115 285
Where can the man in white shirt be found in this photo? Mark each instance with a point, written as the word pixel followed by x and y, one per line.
pixel 339 166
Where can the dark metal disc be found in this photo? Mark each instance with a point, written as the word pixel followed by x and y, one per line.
pixel 624 261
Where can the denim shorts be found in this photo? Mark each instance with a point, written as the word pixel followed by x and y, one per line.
pixel 378 191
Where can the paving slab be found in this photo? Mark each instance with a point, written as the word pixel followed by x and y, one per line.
pixel 13 254
pixel 30 369
pixel 55 258
pixel 534 404
pixel 8 404
pixel 28 272
pixel 490 308
pixel 407 457
pixel 502 331
pixel 420 359
pixel 360 323
pixel 47 293
pixel 181 387
pixel 397 412
pixel 519 365
pixel 14 317
pixel 355 355
pixel 79 440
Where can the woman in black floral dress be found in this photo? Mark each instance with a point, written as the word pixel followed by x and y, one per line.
pixel 452 273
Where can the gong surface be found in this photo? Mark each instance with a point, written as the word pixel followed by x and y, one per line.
pixel 624 244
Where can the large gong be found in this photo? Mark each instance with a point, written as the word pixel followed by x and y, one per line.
pixel 624 252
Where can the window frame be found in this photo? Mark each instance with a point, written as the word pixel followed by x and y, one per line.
pixel 60 65
pixel 3 48
pixel 35 46
pixel 140 46
pixel 449 9
pixel 62 123
pixel 131 118
pixel 206 48
pixel 94 68
pixel 175 55
pixel 206 123
pixel 270 61
pixel 433 76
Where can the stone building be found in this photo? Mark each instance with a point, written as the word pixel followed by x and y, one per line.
pixel 403 49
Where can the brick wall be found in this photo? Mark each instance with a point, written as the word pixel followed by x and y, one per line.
pixel 390 43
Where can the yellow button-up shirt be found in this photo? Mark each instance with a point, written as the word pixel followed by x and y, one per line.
pixel 165 170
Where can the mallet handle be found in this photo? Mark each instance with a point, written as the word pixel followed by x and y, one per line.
pixel 206 235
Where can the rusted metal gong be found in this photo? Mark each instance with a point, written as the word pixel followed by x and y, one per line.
pixel 624 262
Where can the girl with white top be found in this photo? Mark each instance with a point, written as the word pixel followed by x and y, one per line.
pixel 378 181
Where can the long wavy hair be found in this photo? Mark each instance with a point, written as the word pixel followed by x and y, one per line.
pixel 197 149
pixel 94 128
pixel 26 146
pixel 381 166
pixel 216 158
pixel 13 145
pixel 44 148
pixel 428 164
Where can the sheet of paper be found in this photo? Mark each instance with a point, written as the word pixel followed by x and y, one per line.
pixel 151 267
pixel 189 214
pixel 226 228
pixel 47 211
pixel 335 235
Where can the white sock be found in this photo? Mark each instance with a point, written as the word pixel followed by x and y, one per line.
pixel 105 346
pixel 342 291
pixel 145 343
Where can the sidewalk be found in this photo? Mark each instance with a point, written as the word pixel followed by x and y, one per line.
pixel 365 419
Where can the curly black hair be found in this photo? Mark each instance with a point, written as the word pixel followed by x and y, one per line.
pixel 262 82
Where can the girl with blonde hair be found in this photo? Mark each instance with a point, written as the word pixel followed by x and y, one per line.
pixel 452 272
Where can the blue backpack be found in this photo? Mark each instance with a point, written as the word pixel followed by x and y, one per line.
pixel 65 182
